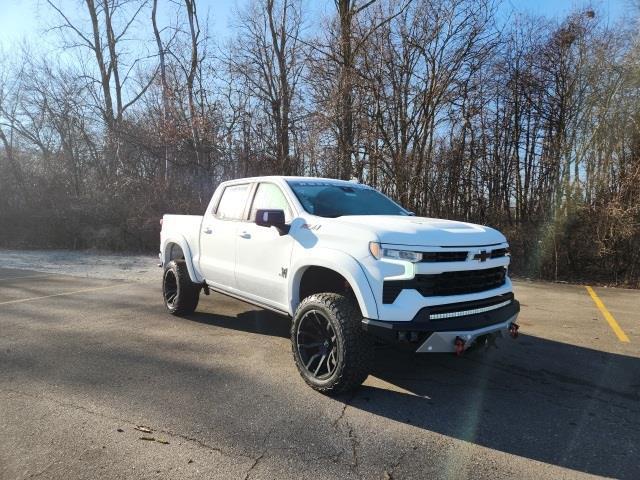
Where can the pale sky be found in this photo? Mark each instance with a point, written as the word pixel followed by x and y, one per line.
pixel 27 19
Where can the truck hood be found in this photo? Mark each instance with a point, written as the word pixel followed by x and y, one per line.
pixel 422 231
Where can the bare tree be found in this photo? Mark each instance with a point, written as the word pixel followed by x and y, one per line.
pixel 164 86
pixel 269 55
pixel 533 127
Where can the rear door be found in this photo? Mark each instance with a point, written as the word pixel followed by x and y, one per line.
pixel 263 255
pixel 218 236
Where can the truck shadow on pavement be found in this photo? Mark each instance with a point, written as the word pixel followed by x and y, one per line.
pixel 539 399
pixel 557 403
pixel 261 322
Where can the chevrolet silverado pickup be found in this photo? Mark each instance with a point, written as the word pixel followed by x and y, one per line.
pixel 348 265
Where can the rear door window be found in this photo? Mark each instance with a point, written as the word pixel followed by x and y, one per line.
pixel 232 203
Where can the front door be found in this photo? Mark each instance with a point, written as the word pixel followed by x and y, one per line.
pixel 263 255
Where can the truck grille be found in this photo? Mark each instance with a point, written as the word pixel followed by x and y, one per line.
pixel 461 255
pixel 447 283
pixel 430 257
pixel 499 252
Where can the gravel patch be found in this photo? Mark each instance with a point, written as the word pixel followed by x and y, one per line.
pixel 139 268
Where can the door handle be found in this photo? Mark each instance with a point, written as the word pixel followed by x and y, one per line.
pixel 245 235
pixel 207 230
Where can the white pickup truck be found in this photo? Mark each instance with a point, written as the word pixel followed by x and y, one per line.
pixel 349 266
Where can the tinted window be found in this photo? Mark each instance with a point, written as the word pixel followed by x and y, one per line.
pixel 269 196
pixel 335 200
pixel 232 202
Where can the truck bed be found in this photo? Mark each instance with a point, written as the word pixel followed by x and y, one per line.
pixel 189 227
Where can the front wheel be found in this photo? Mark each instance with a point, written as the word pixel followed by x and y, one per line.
pixel 180 294
pixel 332 352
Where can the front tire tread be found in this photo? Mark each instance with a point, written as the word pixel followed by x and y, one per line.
pixel 357 350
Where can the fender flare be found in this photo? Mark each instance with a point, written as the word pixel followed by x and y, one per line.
pixel 341 263
pixel 181 241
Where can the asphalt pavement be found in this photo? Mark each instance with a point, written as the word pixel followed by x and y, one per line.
pixel 98 381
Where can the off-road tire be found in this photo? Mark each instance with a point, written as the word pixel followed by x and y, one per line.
pixel 355 348
pixel 179 293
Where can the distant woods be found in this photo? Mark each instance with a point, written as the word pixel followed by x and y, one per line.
pixel 448 106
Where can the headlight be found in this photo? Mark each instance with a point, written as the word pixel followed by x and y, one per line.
pixel 380 252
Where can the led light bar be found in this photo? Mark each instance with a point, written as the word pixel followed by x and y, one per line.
pixel 437 316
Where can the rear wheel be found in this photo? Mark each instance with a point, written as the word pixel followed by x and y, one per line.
pixel 180 294
pixel 332 352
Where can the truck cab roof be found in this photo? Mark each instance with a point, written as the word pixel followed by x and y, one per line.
pixel 286 178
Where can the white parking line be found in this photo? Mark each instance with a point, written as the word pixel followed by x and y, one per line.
pixel 21 300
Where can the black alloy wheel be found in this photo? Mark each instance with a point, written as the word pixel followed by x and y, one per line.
pixel 332 351
pixel 317 345
pixel 170 288
pixel 179 293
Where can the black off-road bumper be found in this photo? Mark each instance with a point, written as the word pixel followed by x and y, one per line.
pixel 445 328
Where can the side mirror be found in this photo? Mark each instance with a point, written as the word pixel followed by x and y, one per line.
pixel 272 218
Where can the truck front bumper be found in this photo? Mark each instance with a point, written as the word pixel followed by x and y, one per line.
pixel 450 328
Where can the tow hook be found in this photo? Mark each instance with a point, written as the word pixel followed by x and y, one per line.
pixel 513 329
pixel 459 344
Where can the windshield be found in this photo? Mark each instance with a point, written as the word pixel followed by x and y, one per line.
pixel 335 200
